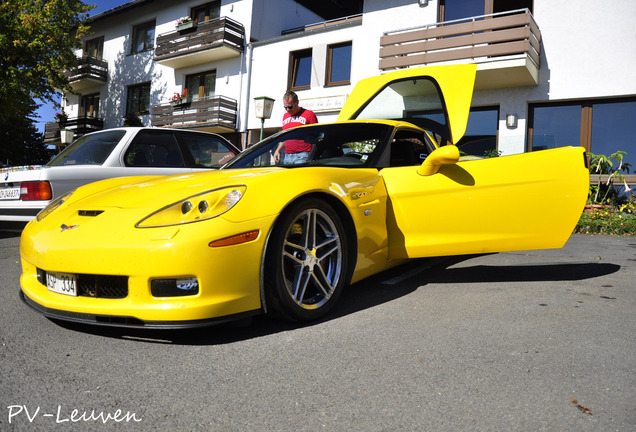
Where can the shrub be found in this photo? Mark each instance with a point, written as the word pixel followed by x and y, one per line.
pixel 607 222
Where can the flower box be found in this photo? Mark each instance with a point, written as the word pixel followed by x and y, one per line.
pixel 182 102
pixel 187 26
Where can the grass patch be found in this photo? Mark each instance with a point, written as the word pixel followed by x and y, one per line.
pixel 607 222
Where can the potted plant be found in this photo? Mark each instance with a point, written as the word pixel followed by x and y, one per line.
pixel 180 100
pixel 61 118
pixel 185 24
pixel 604 194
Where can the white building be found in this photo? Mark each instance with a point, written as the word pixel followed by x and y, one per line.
pixel 550 72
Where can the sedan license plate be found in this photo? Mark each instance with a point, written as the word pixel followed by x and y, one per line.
pixel 10 194
pixel 62 283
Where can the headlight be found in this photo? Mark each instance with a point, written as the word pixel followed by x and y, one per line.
pixel 203 206
pixel 53 205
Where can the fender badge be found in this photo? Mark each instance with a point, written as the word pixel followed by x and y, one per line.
pixel 6 176
pixel 67 227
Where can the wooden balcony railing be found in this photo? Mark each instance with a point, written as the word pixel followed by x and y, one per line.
pixel 215 33
pixel 88 68
pixel 478 39
pixel 219 111
pixel 79 125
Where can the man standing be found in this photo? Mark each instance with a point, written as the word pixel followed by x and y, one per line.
pixel 296 151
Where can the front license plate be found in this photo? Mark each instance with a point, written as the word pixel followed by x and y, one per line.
pixel 62 283
pixel 10 194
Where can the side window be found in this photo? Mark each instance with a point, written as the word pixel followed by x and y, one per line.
pixel 138 100
pixel 339 64
pixel 300 70
pixel 143 37
pixel 154 149
pixel 207 151
pixel 408 149
pixel 202 85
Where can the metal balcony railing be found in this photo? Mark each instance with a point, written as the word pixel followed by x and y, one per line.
pixel 215 33
pixel 218 111
pixel 475 39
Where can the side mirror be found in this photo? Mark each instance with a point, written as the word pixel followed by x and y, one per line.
pixel 447 155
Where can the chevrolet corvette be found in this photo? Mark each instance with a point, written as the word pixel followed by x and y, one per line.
pixel 383 184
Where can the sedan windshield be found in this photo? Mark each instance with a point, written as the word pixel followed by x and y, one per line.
pixel 92 149
pixel 340 144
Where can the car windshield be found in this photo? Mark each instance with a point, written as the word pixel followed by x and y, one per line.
pixel 92 149
pixel 340 144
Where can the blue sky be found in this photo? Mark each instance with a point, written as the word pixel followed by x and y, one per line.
pixel 47 111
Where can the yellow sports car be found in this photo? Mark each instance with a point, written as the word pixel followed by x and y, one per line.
pixel 372 190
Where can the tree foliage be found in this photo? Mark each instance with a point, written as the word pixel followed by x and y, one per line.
pixel 37 44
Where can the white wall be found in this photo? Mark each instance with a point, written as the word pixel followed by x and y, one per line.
pixel 588 51
pixel 273 16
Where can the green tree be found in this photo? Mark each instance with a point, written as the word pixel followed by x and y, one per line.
pixel 20 142
pixel 37 44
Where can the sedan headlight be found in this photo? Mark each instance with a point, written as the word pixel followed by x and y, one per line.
pixel 203 206
pixel 53 205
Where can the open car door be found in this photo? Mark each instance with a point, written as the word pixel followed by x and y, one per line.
pixel 446 207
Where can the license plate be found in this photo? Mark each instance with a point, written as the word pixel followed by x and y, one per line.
pixel 62 283
pixel 9 193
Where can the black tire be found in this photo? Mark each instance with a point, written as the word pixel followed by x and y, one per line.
pixel 306 264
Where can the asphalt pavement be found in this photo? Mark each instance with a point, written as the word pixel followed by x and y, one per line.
pixel 519 341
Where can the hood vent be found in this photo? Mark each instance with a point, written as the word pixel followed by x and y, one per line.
pixel 90 213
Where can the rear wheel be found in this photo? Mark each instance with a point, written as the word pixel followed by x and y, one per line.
pixel 306 263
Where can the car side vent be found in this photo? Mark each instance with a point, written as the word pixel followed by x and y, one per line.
pixel 90 213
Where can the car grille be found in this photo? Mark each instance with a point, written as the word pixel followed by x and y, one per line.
pixel 98 286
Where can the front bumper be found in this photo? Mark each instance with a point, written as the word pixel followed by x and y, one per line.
pixel 130 322
pixel 228 277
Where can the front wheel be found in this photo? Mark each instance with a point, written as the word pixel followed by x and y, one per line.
pixel 306 262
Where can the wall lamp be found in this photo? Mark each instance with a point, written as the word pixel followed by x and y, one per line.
pixel 511 121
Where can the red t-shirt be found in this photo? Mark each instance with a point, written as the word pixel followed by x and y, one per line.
pixel 303 117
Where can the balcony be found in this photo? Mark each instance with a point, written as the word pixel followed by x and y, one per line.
pixel 79 125
pixel 217 114
pixel 209 41
pixel 506 48
pixel 90 72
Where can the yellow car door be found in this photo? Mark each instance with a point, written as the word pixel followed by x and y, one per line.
pixel 518 202
pixel 436 98
pixel 448 207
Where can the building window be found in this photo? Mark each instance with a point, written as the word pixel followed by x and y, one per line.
pixel 480 138
pixel 201 85
pixel 450 10
pixel 300 70
pixel 206 12
pixel 138 101
pixel 143 38
pixel 89 106
pixel 339 64
pixel 601 126
pixel 94 48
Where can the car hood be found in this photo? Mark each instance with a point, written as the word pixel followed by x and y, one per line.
pixel 157 191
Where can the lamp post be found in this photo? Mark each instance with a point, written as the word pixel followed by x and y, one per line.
pixel 264 106
pixel 66 136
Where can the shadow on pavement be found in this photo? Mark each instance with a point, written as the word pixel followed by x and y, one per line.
pixel 11 229
pixel 376 290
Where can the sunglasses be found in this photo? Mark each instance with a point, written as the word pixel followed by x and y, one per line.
pixel 288 106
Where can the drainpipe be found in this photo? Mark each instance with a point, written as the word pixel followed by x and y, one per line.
pixel 246 100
